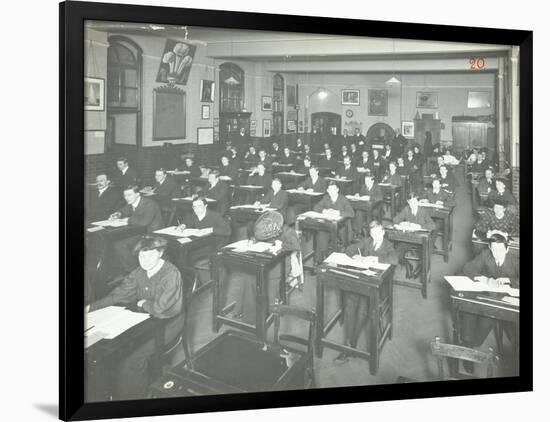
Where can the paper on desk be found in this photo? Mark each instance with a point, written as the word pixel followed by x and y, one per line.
pixel 511 300
pixel 95 229
pixel 252 206
pixel 252 186
pixel 314 214
pixel 112 223
pixel 358 198
pixel 466 284
pixel 338 258
pixel 430 205
pixel 246 246
pixel 109 322
pixel 305 192
pixel 171 231
pixel 183 240
pixel 407 226
pixel 289 173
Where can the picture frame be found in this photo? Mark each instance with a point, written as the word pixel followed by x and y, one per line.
pixel 205 112
pixel 94 94
pixel 378 102
pixel 208 89
pixel 480 99
pixel 426 99
pixel 407 128
pixel 176 62
pixel 205 135
pixel 350 97
pixel 72 405
pixel 267 103
pixel 267 127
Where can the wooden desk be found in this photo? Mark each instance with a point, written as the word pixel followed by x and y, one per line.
pixel 289 179
pixel 326 225
pixel 446 215
pixel 368 207
pixel 235 362
pixel 512 244
pixel 99 257
pixel 102 358
pixel 345 185
pixel 391 194
pixel 377 289
pixel 258 265
pixel 485 305
pixel 424 241
pixel 277 168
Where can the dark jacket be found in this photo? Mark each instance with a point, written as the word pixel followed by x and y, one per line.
pixel 194 170
pixel 365 247
pixel 212 219
pixel 283 159
pixel 279 201
pixel 331 164
pixel 443 196
pixel 319 186
pixel 392 179
pixel 484 265
pixel 229 170
pixel 422 217
pixel 220 193
pixel 375 192
pixel 166 191
pixel 130 178
pixel 350 174
pixel 100 207
pixel 147 214
pixel 341 204
pixel 258 180
pixel 505 197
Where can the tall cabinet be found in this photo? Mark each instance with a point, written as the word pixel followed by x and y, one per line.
pixel 468 134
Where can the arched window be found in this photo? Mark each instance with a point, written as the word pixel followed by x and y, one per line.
pixel 231 88
pixel 123 74
pixel 278 104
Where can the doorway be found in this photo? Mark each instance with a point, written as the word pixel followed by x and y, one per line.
pixel 327 125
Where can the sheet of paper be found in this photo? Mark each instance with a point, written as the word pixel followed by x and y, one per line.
pixel 246 246
pixel 305 192
pixel 466 284
pixel 171 231
pixel 511 300
pixel 289 173
pixel 183 240
pixel 110 322
pixel 197 232
pixel 430 205
pixel 95 229
pixel 358 198
pixel 251 186
pixel 112 223
pixel 313 214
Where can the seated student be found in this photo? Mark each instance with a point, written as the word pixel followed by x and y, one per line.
pixel 412 213
pixel 275 151
pixel 154 287
pixel 142 212
pixel 371 189
pixel 487 184
pixel 480 165
pixel 328 161
pixel 503 193
pixel 269 228
pixel 391 176
pixel 375 248
pixel 218 190
pixel 307 151
pixel 104 202
pixel 299 148
pixel 498 220
pixel 227 169
pixel 264 160
pixel 363 161
pixel 402 170
pixel 343 152
pixel 190 166
pixel 349 172
pixel 419 157
pixel 386 154
pixel 305 165
pixel 314 183
pixel 165 189
pixel 125 175
pixel 251 155
pixel 496 265
pixel 275 197
pixel 332 203
pixel 449 158
pixel 434 168
pixel 287 157
pixel 377 165
pixel 234 159
pixel 448 181
pixel 436 150
pixel 353 152
pixel 203 218
pixel 437 195
pixel 258 177
pixel 358 138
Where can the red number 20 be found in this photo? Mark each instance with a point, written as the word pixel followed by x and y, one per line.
pixel 476 63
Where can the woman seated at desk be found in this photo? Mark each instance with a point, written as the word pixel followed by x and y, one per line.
pixel 419 216
pixel 498 220
pixel 154 287
pixel 376 248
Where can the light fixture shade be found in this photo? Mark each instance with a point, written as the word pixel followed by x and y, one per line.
pixel 393 81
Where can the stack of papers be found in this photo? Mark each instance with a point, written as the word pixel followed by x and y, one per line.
pixel 109 322
pixel 466 284
pixel 119 222
pixel 246 245
pixel 337 258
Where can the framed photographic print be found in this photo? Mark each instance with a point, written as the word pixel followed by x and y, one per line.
pixel 267 127
pixel 426 99
pixel 144 332
pixel 94 94
pixel 350 97
pixel 205 112
pixel 378 102
pixel 267 103
pixel 407 129
pixel 207 91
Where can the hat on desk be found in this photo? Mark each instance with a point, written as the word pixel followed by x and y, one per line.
pixel 268 225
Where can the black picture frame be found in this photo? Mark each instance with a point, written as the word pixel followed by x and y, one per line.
pixel 71 294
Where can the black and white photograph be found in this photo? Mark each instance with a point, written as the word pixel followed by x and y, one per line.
pixel 237 242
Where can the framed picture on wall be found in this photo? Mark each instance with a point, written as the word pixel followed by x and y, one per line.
pixel 267 127
pixel 426 99
pixel 479 99
pixel 350 97
pixel 378 102
pixel 207 91
pixel 205 112
pixel 205 135
pixel 267 103
pixel 407 128
pixel 94 94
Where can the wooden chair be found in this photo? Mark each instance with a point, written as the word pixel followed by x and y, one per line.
pixel 279 311
pixel 456 353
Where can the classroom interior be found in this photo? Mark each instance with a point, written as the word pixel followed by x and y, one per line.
pixel 157 95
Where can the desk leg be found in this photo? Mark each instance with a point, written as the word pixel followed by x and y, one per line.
pixel 374 333
pixel 456 337
pixel 446 229
pixel 216 324
pixel 320 317
pixel 261 303
pixel 283 297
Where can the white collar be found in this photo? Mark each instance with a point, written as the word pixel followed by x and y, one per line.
pixel 135 204
pixel 125 170
pixel 201 217
pixel 155 269
pixel 103 190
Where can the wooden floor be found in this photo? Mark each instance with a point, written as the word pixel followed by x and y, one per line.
pixel 416 320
